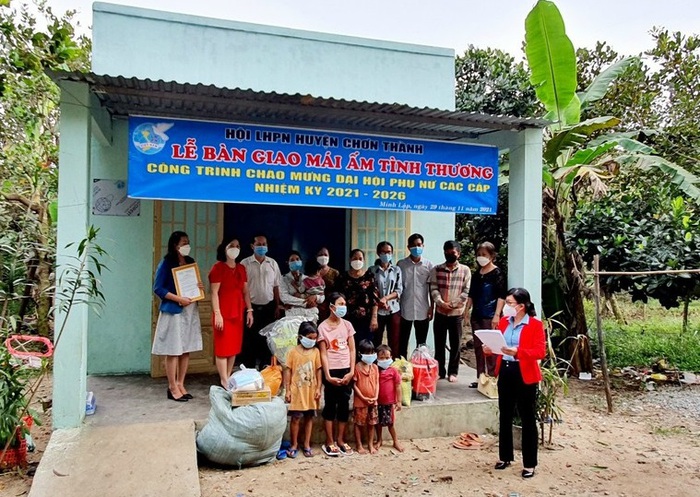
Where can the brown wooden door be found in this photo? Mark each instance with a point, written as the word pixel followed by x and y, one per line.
pixel 203 222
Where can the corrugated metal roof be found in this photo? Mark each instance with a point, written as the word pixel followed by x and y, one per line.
pixel 133 96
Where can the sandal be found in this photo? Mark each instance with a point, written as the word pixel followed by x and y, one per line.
pixel 292 453
pixel 331 450
pixel 346 449
pixel 465 445
pixel 473 384
pixel 308 452
pixel 471 437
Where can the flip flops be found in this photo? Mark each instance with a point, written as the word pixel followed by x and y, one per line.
pixel 331 450
pixel 346 449
pixel 468 441
pixel 308 452
pixel 292 453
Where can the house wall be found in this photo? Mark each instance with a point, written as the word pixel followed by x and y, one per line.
pixel 191 49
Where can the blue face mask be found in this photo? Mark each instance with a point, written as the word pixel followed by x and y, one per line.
pixel 295 265
pixel 340 311
pixel 307 343
pixel 416 251
pixel 385 258
pixel 385 363
pixel 368 358
pixel 260 250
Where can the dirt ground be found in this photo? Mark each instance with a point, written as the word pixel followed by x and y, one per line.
pixel 644 449
pixel 640 450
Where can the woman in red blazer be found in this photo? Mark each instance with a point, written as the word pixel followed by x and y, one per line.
pixel 518 372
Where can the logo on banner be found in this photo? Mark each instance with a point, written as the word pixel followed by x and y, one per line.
pixel 149 138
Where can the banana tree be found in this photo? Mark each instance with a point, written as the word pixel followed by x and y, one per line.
pixel 578 156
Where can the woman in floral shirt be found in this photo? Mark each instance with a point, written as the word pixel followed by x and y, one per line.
pixel 357 285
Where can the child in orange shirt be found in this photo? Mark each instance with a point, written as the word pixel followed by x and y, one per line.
pixel 302 385
pixel 366 393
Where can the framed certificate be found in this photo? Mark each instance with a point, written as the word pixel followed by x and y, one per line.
pixel 187 281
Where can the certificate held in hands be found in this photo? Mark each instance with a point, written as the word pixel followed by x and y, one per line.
pixel 493 339
pixel 188 281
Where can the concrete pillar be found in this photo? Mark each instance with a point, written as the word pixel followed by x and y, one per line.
pixel 70 358
pixel 525 215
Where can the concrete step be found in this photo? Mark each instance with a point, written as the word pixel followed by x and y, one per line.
pixel 145 460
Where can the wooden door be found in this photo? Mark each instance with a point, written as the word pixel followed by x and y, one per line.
pixel 203 222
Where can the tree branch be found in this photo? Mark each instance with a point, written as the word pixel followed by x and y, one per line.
pixel 13 197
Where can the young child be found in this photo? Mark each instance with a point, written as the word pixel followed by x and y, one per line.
pixel 389 395
pixel 314 283
pixel 366 393
pixel 302 385
pixel 337 344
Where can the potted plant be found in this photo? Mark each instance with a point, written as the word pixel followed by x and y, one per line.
pixel 14 375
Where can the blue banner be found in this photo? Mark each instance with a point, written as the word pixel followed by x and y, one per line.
pixel 173 159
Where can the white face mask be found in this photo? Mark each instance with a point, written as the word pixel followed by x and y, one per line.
pixel 357 265
pixel 482 261
pixel 185 250
pixel 322 260
pixel 233 252
pixel 509 311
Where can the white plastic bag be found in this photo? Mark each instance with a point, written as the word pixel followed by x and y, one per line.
pixel 245 380
pixel 282 336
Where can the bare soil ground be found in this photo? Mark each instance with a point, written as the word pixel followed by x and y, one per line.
pixel 642 449
pixel 647 447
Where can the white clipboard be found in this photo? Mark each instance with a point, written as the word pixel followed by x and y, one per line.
pixel 493 339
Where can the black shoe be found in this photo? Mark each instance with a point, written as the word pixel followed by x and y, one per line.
pixel 172 397
pixel 187 396
pixel 527 473
pixel 501 465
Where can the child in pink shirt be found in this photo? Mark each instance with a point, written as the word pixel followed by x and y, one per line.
pixel 389 395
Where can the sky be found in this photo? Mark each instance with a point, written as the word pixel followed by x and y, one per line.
pixel 624 24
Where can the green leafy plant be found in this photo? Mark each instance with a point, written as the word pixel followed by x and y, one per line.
pixel 552 386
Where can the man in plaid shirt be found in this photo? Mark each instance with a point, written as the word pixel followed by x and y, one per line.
pixel 449 287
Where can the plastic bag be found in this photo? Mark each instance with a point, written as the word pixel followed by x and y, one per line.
pixel 242 436
pixel 425 373
pixel 245 380
pixel 282 336
pixel 405 368
pixel 272 375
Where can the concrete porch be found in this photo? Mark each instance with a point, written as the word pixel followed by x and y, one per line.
pixel 140 443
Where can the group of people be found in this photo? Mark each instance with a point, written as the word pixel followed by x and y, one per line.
pixel 358 306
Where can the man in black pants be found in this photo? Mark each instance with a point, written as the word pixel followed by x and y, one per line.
pixel 416 303
pixel 263 283
pixel 449 287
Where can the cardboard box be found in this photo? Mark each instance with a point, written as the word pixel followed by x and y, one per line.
pixel 251 397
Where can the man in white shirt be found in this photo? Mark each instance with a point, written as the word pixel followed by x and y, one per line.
pixel 416 303
pixel 263 284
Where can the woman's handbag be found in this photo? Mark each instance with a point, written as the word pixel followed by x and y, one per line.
pixel 272 375
pixel 488 386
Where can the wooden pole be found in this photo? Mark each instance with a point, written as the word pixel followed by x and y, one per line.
pixel 601 344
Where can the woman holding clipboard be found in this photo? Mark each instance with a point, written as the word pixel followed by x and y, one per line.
pixel 178 331
pixel 518 374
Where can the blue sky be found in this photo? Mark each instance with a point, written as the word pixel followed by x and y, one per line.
pixel 624 24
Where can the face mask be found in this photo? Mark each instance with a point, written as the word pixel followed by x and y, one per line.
pixel 482 261
pixel 340 311
pixel 307 343
pixel 233 252
pixel 295 265
pixel 260 250
pixel 322 260
pixel 385 258
pixel 368 358
pixel 184 250
pixel 416 251
pixel 509 311
pixel 384 363
pixel 357 265
pixel 450 258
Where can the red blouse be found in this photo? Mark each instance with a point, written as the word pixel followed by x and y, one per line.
pixel 232 279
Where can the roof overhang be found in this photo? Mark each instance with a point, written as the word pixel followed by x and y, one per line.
pixel 123 97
